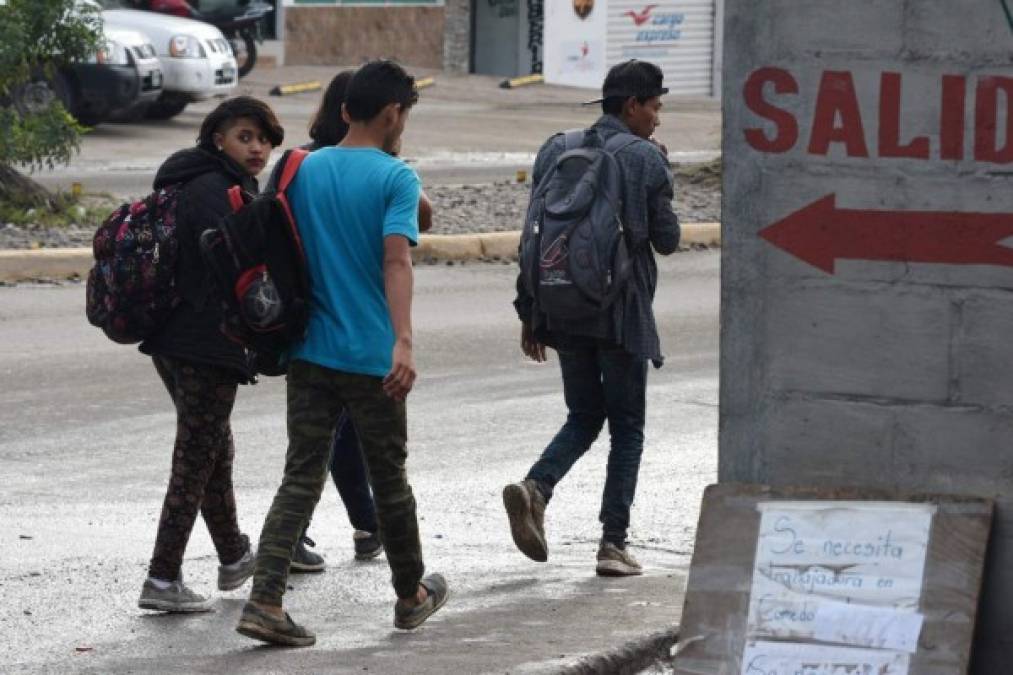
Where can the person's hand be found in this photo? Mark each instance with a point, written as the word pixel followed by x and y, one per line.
pixel 531 347
pixel 425 213
pixel 401 377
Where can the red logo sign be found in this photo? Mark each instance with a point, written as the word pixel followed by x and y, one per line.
pixel 641 17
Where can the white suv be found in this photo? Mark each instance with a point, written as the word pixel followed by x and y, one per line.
pixel 197 61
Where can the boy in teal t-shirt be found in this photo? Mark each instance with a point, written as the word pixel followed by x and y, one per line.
pixel 356 207
pixel 346 201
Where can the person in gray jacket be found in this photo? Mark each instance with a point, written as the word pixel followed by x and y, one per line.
pixel 604 363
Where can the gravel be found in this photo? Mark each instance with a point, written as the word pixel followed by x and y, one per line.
pixel 458 209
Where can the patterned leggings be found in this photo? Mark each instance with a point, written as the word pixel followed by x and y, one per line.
pixel 201 476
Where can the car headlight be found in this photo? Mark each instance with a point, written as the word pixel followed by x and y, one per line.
pixel 186 47
pixel 113 54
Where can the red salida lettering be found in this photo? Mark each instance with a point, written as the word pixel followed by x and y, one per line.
pixel 889 122
pixel 787 126
pixel 837 97
pixel 837 117
pixel 952 117
pixel 985 125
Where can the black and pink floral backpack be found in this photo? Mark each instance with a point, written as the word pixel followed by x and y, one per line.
pixel 132 289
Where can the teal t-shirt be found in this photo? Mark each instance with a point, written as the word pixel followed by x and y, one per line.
pixel 346 201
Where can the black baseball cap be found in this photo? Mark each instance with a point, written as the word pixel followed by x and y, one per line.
pixel 642 79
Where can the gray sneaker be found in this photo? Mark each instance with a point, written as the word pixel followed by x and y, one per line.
pixel 525 506
pixel 616 562
pixel 257 624
pixel 231 577
pixel 176 598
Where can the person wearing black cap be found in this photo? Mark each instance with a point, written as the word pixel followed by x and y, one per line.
pixel 604 364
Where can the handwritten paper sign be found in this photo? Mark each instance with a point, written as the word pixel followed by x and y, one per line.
pixel 843 573
pixel 786 658
pixel 809 577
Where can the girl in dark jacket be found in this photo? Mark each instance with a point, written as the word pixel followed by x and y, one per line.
pixel 200 367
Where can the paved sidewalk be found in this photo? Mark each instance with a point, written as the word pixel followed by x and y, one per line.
pixel 538 624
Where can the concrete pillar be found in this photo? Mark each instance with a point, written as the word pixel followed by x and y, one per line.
pixel 457 37
pixel 867 286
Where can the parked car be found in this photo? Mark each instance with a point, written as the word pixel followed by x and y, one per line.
pixel 197 60
pixel 120 80
pixel 239 20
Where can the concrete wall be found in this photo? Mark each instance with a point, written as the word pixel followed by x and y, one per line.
pixel 457 37
pixel 350 35
pixel 869 341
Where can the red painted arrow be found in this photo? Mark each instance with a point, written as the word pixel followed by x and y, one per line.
pixel 821 234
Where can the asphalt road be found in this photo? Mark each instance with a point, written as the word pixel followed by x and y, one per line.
pixel 463 130
pixel 85 443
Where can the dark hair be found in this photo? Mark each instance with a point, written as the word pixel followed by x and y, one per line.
pixel 613 105
pixel 375 86
pixel 229 111
pixel 631 79
pixel 328 127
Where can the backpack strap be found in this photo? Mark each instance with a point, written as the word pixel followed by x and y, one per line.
pixel 573 139
pixel 620 141
pixel 292 160
pixel 236 200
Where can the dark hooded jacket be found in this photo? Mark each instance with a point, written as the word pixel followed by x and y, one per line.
pixel 192 332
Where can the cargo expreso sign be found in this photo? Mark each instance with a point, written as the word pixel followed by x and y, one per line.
pixel 655 25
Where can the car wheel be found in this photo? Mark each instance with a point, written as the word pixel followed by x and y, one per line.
pixel 166 107
pixel 34 97
pixel 244 48
pixel 37 95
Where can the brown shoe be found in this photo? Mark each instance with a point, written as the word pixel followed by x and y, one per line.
pixel 257 624
pixel 437 593
pixel 616 562
pixel 525 506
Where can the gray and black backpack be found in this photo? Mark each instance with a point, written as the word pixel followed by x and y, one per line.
pixel 574 257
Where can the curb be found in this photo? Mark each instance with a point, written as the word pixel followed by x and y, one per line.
pixel 296 88
pixel 522 81
pixel 503 245
pixel 45 263
pixel 67 263
pixel 629 659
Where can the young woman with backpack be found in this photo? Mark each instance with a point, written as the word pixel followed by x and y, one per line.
pixel 347 467
pixel 199 366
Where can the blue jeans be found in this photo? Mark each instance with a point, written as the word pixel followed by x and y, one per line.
pixel 348 469
pixel 600 382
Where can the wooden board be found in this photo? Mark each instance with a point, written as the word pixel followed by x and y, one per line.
pixel 713 633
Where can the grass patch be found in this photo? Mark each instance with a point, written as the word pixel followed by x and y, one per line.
pixel 88 210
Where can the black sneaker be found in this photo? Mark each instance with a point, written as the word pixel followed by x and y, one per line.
pixel 367 545
pixel 304 560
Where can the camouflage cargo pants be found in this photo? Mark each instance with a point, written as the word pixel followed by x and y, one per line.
pixel 316 396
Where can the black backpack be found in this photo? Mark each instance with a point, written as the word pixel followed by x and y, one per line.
pixel 574 257
pixel 256 259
